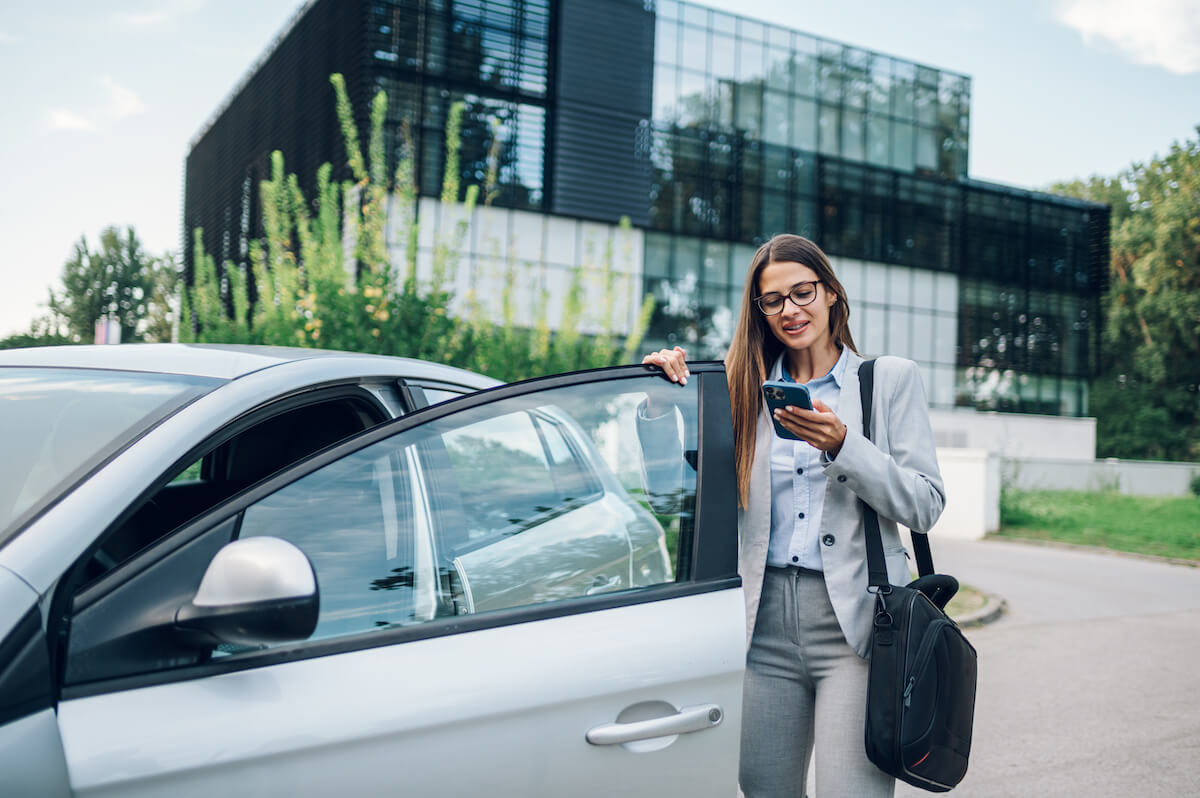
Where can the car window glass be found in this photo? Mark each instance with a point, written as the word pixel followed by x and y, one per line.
pixel 59 423
pixel 505 473
pixel 549 496
pixel 355 519
pixel 274 442
pixel 189 474
pixel 438 395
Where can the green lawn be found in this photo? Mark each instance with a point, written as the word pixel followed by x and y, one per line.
pixel 1164 526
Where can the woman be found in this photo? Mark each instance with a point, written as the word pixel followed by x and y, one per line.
pixel 800 523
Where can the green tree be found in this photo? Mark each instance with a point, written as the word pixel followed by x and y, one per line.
pixel 45 330
pixel 159 322
pixel 114 282
pixel 1147 396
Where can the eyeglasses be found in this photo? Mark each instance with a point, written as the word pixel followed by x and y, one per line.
pixel 801 294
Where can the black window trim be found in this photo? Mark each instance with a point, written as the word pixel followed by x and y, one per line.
pixel 713 561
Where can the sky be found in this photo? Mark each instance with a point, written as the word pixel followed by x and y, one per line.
pixel 102 99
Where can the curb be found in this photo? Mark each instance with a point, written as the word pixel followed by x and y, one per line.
pixel 1060 544
pixel 991 610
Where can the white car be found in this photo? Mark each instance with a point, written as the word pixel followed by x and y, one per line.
pixel 259 571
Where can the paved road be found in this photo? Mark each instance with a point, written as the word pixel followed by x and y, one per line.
pixel 1089 685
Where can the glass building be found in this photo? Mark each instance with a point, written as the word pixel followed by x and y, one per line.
pixel 710 132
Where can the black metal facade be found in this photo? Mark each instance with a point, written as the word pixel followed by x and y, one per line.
pixel 285 103
pixel 604 55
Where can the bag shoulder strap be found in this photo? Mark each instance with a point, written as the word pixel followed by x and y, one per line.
pixel 876 565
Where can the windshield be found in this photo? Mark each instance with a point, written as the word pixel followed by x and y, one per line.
pixel 57 425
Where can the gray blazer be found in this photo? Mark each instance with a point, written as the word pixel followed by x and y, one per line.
pixel 896 472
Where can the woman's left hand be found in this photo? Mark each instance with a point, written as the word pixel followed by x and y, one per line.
pixel 819 427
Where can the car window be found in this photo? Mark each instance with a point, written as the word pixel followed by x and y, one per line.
pixel 511 470
pixel 57 424
pixel 277 440
pixel 544 497
pixel 438 395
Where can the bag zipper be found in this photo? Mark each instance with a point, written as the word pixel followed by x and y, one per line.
pixel 923 655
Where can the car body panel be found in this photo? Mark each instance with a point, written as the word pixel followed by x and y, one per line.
pixel 469 714
pixel 223 361
pixel 32 759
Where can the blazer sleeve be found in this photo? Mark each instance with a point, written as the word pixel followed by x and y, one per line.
pixel 902 483
pixel 662 459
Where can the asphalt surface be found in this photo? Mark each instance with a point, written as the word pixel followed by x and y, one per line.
pixel 1089 683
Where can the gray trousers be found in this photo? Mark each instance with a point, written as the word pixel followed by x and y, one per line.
pixel 804 682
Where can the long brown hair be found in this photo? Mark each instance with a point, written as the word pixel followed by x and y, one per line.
pixel 755 347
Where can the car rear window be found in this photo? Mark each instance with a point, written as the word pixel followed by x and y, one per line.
pixel 59 424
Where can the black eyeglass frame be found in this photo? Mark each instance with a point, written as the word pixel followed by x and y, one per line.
pixel 758 300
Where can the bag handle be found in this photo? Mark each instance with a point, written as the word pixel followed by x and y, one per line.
pixel 876 565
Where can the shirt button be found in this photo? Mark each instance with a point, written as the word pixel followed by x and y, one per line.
pixel 841 477
pixel 795 559
pixel 799 470
pixel 801 515
pixel 828 540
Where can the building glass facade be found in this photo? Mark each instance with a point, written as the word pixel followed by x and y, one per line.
pixel 717 71
pixel 491 56
pixel 759 130
pixel 712 132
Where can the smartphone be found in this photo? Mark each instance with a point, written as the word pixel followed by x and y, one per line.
pixel 778 394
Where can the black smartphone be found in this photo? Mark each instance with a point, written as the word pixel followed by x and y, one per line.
pixel 779 394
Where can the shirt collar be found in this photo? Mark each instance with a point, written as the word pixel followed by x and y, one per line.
pixel 837 373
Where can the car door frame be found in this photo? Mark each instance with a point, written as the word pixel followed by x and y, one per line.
pixel 712 564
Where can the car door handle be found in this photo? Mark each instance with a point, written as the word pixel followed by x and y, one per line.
pixel 687 719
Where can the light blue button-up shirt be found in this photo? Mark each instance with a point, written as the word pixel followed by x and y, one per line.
pixel 798 482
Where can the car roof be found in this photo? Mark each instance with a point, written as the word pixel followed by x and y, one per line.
pixel 220 361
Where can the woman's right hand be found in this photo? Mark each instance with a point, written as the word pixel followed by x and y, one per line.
pixel 672 362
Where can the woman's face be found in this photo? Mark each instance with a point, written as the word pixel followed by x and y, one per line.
pixel 797 327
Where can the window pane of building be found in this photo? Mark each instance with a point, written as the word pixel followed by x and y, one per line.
pixel 724 57
pixel 777 118
pixel 853 134
pixel 804 124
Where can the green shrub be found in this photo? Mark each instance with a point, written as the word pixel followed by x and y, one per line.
pixel 301 289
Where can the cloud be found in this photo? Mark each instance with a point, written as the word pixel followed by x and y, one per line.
pixel 117 103
pixel 64 119
pixel 164 14
pixel 1163 33
pixel 122 102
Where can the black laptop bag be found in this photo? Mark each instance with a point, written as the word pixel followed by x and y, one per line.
pixel 921 689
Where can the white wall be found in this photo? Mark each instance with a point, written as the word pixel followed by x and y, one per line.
pixel 1131 477
pixel 972 480
pixel 1016 435
pixel 534 252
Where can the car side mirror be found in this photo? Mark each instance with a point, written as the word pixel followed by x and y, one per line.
pixel 256 591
